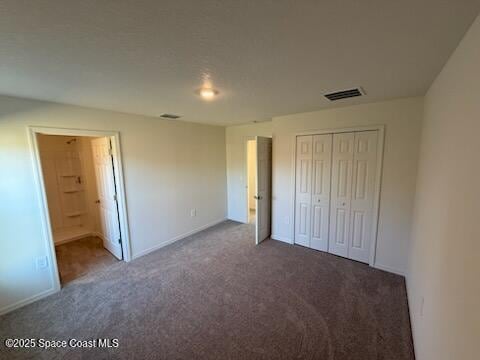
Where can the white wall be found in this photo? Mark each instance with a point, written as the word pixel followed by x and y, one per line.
pixel 236 138
pixel 402 120
pixel 170 167
pixel 444 266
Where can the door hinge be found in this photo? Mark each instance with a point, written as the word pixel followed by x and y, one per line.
pixel 120 241
pixel 110 151
pixel 115 197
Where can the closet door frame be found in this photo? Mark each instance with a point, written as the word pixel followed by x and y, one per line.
pixel 378 176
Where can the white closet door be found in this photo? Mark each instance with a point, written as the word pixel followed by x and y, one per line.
pixel 342 162
pixel 363 194
pixel 303 189
pixel 321 167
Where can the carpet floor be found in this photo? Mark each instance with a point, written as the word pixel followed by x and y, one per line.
pixel 215 295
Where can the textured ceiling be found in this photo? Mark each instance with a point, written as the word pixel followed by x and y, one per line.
pixel 266 57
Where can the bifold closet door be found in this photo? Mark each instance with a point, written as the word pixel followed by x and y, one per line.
pixel 340 200
pixel 303 189
pixel 321 167
pixel 313 190
pixel 335 193
pixel 363 195
pixel 352 194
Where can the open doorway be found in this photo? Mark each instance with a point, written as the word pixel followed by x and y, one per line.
pixel 81 184
pixel 251 179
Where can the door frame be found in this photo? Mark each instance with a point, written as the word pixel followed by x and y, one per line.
pixel 378 176
pixel 42 194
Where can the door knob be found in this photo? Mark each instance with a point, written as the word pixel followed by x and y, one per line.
pixel 257 197
pixel 97 201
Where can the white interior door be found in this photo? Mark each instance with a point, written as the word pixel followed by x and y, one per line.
pixel 363 195
pixel 263 188
pixel 107 202
pixel 303 189
pixel 340 201
pixel 321 168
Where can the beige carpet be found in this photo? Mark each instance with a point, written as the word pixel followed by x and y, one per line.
pixel 216 295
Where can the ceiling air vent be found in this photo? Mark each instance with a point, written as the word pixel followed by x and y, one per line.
pixel 344 94
pixel 169 116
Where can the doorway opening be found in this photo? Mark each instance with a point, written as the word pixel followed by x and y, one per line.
pixel 81 187
pixel 251 180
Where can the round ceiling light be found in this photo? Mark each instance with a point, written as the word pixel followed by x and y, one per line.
pixel 207 93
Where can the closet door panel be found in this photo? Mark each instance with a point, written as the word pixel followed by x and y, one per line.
pixel 321 172
pixel 341 189
pixel 363 195
pixel 303 190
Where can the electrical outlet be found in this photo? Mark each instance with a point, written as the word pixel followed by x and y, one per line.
pixel 193 212
pixel 41 262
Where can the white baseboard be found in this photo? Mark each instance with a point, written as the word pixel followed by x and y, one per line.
pixel 28 300
pixel 176 238
pixel 389 269
pixel 281 238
